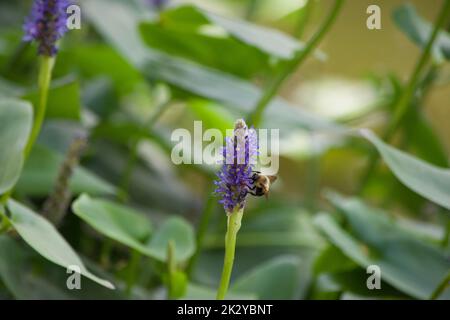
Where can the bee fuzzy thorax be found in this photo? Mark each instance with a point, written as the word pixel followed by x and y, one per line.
pixel 260 184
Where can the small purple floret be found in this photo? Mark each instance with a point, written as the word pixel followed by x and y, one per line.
pixel 46 24
pixel 239 160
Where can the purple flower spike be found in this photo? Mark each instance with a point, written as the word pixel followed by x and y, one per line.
pixel 46 24
pixel 239 160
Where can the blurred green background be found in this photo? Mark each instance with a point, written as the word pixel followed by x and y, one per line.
pixel 134 72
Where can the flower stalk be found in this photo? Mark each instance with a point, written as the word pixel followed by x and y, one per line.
pixel 45 76
pixel 234 224
pixel 233 185
pixel 45 25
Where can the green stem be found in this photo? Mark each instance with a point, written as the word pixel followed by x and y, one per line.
pixel 234 224
pixel 442 287
pixel 171 269
pixel 128 171
pixel 304 18
pixel 289 67
pixel 45 76
pixel 251 9
pixel 402 104
pixel 132 271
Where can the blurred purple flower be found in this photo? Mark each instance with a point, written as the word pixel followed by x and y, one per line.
pixel 158 4
pixel 46 24
pixel 235 175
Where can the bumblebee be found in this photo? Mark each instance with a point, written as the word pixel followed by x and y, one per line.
pixel 260 184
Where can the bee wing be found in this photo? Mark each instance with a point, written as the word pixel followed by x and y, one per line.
pixel 272 178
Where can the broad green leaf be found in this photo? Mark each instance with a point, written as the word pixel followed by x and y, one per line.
pixel 211 114
pixel 133 230
pixel 42 236
pixel 332 260
pixel 206 49
pixel 118 222
pixel 41 170
pixel 15 265
pixel 28 275
pixel 276 279
pixel 354 281
pixel 267 40
pixel 419 30
pixel 176 230
pixel 9 89
pixel 119 27
pixel 63 99
pixel 178 283
pixel 423 139
pixel 95 59
pixel 427 180
pixel 16 121
pixel 325 288
pixel 406 262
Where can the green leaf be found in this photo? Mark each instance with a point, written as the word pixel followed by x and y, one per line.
pixel 29 276
pixel 423 139
pixel 419 30
pixel 41 170
pixel 119 27
pixel 267 40
pixel 427 180
pixel 16 121
pixel 45 239
pixel 9 89
pixel 118 222
pixel 275 279
pixel 133 230
pixel 354 281
pixel 95 59
pixel 179 283
pixel 180 232
pixel 332 260
pixel 206 49
pixel 211 114
pixel 63 99
pixel 406 262
pixel 15 268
